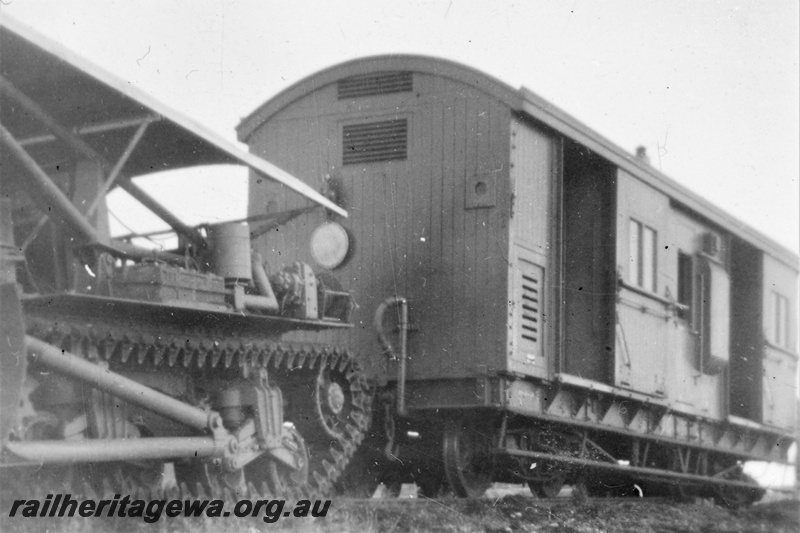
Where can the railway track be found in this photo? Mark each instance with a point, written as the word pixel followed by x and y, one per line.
pixel 528 500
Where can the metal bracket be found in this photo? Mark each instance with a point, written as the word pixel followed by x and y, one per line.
pixel 264 432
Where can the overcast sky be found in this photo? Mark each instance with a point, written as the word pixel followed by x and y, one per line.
pixel 709 87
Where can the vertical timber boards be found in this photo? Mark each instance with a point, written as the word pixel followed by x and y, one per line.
pixel 416 234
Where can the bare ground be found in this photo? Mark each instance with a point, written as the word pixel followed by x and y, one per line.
pixel 506 514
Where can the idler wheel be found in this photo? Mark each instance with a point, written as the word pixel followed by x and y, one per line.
pixel 333 402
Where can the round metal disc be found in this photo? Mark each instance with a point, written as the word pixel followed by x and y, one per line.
pixel 329 245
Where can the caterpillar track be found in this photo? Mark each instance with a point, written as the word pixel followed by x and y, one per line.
pixel 325 395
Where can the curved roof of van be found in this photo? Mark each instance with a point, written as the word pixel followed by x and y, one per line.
pixel 526 103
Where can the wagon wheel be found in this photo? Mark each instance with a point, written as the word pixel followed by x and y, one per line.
pixel 431 486
pixel 467 459
pixel 549 484
pixel 735 497
pixel 359 480
pixel 680 493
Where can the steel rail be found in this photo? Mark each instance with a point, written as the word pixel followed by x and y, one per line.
pixel 529 500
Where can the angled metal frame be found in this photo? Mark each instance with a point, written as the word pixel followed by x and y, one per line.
pixel 124 90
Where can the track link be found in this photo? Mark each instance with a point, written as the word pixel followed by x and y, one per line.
pixel 203 355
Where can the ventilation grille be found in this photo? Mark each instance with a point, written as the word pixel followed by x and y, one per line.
pixel 531 309
pixel 374 84
pixel 375 141
pixel 528 301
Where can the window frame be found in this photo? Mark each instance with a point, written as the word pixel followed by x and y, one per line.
pixel 642 256
pixel 685 282
pixel 780 333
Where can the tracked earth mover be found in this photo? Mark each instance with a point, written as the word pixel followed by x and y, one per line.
pixel 118 358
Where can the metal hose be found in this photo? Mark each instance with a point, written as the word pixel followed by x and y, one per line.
pixel 387 346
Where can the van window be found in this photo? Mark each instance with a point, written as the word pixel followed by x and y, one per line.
pixel 685 292
pixel 642 254
pixel 780 321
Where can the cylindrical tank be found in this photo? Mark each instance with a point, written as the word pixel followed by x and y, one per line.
pixel 230 251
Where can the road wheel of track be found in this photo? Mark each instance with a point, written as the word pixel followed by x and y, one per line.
pixel 285 482
pixel 204 477
pixel 133 478
pixel 467 459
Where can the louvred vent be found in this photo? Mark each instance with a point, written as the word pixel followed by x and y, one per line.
pixel 375 141
pixel 375 83
pixel 530 309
